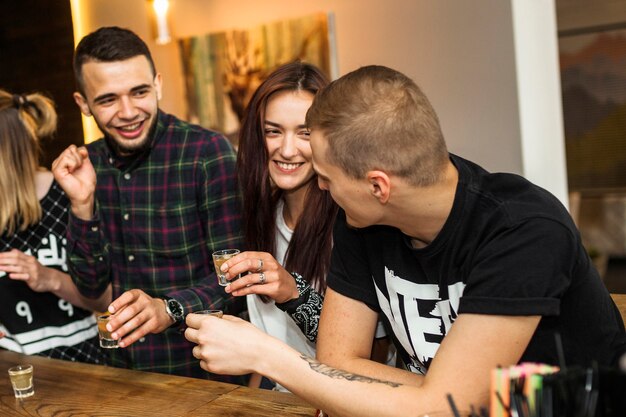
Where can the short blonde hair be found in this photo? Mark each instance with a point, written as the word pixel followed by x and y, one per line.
pixel 24 119
pixel 377 118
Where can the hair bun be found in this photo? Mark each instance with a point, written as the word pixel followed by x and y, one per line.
pixel 19 100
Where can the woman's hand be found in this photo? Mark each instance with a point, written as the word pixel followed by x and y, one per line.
pixel 22 267
pixel 265 277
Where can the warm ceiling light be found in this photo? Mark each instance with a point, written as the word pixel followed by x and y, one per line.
pixel 160 11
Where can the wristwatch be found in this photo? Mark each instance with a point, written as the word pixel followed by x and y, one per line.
pixel 174 309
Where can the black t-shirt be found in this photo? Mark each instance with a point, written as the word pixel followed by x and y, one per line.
pixel 42 323
pixel 508 247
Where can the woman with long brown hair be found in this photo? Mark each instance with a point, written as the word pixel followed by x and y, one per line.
pixel 41 310
pixel 287 219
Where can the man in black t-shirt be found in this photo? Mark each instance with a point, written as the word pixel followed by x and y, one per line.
pixel 470 270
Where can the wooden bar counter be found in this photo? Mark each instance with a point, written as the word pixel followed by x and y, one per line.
pixel 64 388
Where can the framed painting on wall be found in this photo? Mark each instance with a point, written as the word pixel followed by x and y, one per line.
pixel 593 79
pixel 222 70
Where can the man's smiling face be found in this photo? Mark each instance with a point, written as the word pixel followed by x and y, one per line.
pixel 123 98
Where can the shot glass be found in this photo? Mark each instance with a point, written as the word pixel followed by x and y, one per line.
pixel 22 380
pixel 106 341
pixel 219 257
pixel 216 313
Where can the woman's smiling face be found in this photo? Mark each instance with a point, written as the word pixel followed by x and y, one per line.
pixel 287 139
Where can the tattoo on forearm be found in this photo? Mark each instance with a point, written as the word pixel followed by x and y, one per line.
pixel 339 374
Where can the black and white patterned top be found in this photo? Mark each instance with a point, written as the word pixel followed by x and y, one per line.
pixel 42 323
pixel 306 309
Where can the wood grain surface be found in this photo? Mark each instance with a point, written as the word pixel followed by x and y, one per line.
pixel 69 389
pixel 620 302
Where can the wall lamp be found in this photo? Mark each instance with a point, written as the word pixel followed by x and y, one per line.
pixel 160 24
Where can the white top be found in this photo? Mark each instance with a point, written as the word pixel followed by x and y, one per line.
pixel 268 317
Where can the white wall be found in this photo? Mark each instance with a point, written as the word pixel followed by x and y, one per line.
pixel 462 54
pixel 539 96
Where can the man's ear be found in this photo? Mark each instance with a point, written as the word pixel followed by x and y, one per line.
pixel 158 85
pixel 81 102
pixel 379 185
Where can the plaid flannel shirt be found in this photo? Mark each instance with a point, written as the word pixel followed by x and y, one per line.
pixel 158 218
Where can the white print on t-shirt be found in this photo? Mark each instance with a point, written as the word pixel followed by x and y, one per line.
pixel 66 306
pixel 419 317
pixel 23 310
pixel 50 253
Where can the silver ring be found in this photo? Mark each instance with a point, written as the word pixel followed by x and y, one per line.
pixel 260 268
pixel 261 278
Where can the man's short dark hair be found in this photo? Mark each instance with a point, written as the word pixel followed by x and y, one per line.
pixel 108 44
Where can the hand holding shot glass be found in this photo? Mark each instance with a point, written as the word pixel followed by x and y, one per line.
pixel 255 272
pixel 106 341
pixel 22 380
pixel 219 257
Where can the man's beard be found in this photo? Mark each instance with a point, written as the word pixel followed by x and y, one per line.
pixel 121 150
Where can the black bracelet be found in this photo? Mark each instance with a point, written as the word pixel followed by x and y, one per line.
pixel 303 291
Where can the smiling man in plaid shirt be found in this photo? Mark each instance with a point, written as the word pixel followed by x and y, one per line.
pixel 166 197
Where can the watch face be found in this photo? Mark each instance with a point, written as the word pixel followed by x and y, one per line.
pixel 176 309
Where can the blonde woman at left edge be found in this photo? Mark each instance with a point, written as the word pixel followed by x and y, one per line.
pixel 37 296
